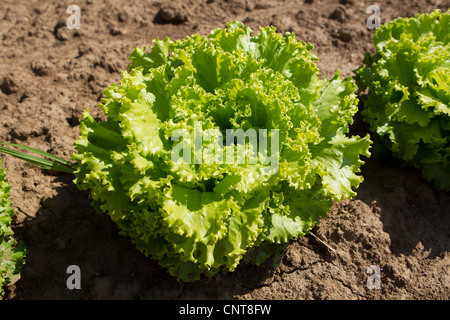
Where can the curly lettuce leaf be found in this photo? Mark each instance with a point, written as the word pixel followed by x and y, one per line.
pixel 408 102
pixel 12 253
pixel 159 164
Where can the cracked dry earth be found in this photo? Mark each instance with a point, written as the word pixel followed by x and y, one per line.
pixel 398 223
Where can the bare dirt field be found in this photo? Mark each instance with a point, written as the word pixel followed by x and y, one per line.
pixel 398 223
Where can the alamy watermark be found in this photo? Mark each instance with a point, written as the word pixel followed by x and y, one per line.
pixel 74 21
pixel 374 21
pixel 74 280
pixel 242 147
pixel 374 281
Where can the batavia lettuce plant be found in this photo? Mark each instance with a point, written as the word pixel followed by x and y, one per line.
pixel 166 183
pixel 408 100
pixel 12 253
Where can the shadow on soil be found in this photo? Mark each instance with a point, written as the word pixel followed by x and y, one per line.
pixel 413 211
pixel 68 231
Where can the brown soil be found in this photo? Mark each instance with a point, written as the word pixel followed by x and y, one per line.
pixel 50 74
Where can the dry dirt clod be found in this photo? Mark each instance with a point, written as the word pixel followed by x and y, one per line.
pixel 264 4
pixel 249 5
pixel 41 67
pixel 84 49
pixel 8 85
pixel 345 34
pixel 122 16
pixel 115 31
pixel 60 31
pixel 339 14
pixel 283 24
pixel 173 12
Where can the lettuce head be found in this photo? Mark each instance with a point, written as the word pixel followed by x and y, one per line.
pixel 408 91
pixel 12 253
pixel 158 164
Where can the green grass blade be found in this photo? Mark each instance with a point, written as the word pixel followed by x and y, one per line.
pixel 39 152
pixel 40 162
